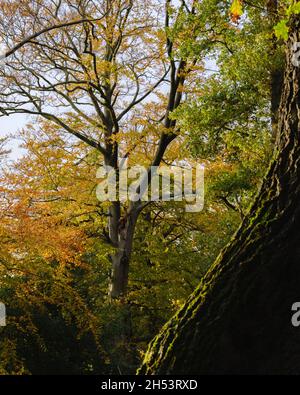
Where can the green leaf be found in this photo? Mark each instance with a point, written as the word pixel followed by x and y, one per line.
pixel 282 30
pixel 294 9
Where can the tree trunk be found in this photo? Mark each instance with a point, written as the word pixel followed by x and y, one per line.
pixel 238 321
pixel 276 91
pixel 124 233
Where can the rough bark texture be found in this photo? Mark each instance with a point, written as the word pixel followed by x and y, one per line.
pixel 276 91
pixel 238 321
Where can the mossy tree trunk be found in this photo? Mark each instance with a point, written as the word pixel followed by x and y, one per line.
pixel 238 321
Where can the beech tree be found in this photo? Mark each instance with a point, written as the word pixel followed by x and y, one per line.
pixel 94 69
pixel 239 318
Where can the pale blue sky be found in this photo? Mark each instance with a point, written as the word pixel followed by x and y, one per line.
pixel 10 126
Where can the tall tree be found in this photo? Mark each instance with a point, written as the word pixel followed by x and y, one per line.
pixel 239 318
pixel 87 77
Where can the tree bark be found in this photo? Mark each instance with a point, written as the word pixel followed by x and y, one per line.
pixel 238 321
pixel 121 259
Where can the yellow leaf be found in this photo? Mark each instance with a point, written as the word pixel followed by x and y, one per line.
pixel 236 10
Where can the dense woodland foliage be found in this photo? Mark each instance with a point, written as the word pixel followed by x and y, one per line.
pixel 199 78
